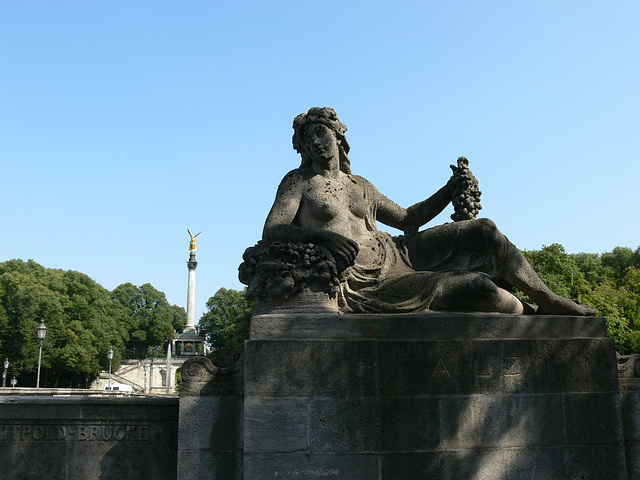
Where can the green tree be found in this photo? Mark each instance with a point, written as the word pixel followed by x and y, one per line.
pixel 590 264
pixel 619 302
pixel 226 322
pixel 150 319
pixel 81 318
pixel 618 261
pixel 558 270
pixel 609 282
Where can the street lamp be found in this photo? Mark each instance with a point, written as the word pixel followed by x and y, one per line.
pixel 4 373
pixel 145 367
pixel 110 357
pixel 42 332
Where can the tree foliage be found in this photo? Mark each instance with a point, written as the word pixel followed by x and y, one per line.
pixel 227 319
pixel 150 320
pixel 82 323
pixel 609 282
pixel 83 320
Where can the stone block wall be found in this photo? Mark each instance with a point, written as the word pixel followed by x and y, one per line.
pixel 211 413
pixel 78 438
pixel 465 396
pixel 629 370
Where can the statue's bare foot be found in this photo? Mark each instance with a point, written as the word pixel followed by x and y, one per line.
pixel 564 306
pixel 529 308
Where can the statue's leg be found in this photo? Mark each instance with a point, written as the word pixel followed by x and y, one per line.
pixel 518 272
pixel 467 246
pixel 478 246
pixel 475 292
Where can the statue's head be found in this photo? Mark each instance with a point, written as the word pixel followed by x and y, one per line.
pixel 325 116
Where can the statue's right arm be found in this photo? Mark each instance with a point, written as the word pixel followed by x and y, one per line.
pixel 279 223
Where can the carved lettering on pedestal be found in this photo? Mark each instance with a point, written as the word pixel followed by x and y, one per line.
pixel 89 433
pixel 482 369
pixel 441 369
pixel 38 432
pixel 365 362
pixel 510 366
pixel 488 367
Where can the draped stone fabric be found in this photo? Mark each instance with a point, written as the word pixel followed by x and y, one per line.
pixel 405 272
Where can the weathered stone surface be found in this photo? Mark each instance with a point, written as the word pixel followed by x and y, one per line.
pixel 484 421
pixel 276 425
pixel 424 326
pixel 518 366
pixel 301 368
pixel 446 406
pixel 484 464
pixel 311 467
pixel 211 417
pixel 631 415
pixel 541 463
pixel 64 438
pixel 632 454
pixel 629 371
pixel 354 399
pixel 567 462
pixel 589 420
pixel 345 425
pixel 211 422
pixel 210 465
pixel 410 424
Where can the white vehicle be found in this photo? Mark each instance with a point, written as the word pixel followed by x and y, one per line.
pixel 122 387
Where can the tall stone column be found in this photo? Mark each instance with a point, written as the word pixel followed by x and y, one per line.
pixel 191 293
pixel 191 290
pixel 189 343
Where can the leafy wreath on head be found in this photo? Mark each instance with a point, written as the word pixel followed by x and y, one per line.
pixel 329 118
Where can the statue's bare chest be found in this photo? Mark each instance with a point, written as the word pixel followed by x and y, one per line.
pixel 327 198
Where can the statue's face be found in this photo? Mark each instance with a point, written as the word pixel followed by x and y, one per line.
pixel 321 142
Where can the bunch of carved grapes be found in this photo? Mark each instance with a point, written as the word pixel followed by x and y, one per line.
pixel 466 196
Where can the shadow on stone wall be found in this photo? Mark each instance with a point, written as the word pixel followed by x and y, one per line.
pixel 211 416
pixel 148 454
pixel 65 438
pixel 480 397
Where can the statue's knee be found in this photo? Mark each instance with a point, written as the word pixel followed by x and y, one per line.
pixel 487 225
pixel 490 230
pixel 481 286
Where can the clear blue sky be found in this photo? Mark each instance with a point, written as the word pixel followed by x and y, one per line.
pixel 123 123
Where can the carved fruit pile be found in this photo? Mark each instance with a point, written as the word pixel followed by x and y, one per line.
pixel 283 269
pixel 466 196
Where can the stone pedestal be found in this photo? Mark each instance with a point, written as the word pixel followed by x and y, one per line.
pixel 629 371
pixel 430 396
pixel 210 419
pixel 44 436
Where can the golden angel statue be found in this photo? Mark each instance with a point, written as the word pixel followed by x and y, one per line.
pixel 192 243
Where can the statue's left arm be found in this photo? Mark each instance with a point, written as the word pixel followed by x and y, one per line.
pixel 390 213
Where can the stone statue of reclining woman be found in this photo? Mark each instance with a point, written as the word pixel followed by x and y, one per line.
pixel 321 235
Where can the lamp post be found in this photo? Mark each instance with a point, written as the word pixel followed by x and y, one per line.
pixel 145 367
pixel 110 357
pixel 42 332
pixel 4 373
